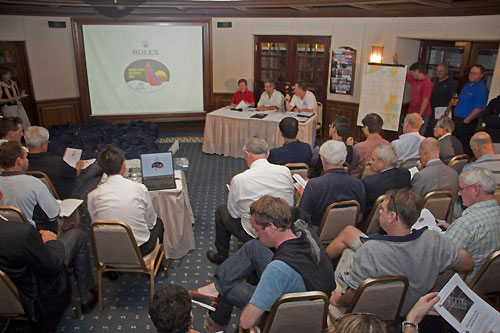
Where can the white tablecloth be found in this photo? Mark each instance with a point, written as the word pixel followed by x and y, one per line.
pixel 226 131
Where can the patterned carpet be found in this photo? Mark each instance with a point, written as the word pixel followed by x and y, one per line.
pixel 126 299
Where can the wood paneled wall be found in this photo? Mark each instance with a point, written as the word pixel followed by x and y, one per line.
pixel 59 111
pixel 220 100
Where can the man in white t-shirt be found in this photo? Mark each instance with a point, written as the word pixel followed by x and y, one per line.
pixel 271 99
pixel 302 101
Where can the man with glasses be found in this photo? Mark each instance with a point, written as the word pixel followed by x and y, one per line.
pixel 419 255
pixel 472 101
pixel 478 229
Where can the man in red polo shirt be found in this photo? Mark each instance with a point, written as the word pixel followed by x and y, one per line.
pixel 243 94
pixel 421 90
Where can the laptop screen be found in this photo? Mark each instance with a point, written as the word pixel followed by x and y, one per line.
pixel 156 165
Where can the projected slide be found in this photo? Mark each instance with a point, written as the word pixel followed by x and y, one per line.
pixel 135 69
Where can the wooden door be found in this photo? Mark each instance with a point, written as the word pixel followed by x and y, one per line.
pixel 13 57
pixel 291 59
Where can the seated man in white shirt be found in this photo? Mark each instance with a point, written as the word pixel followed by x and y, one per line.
pixel 271 99
pixel 120 199
pixel 302 101
pixel 260 179
pixel 409 142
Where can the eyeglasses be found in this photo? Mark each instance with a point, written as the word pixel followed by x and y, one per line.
pixel 461 189
pixel 393 198
pixel 475 73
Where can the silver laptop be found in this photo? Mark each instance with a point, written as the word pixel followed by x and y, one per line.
pixel 158 171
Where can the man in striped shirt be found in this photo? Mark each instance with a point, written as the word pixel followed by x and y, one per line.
pixel 482 147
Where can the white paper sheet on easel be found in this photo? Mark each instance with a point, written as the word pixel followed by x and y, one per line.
pixel 465 310
pixel 439 112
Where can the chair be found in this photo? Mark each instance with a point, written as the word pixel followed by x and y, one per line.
pixel 458 162
pixel 382 296
pixel 115 249
pixel 444 277
pixel 439 203
pixel 372 222
pixel 497 195
pixel 319 118
pixel 486 280
pixel 46 180
pixel 347 167
pixel 13 214
pixel 298 312
pixel 367 170
pixel 337 216
pixel 299 168
pixel 10 301
pixel 409 163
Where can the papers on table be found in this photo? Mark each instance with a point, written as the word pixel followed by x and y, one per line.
pixel 73 155
pixel 465 310
pixel 68 206
pixel 242 105
pixel 413 171
pixel 300 182
pixel 439 112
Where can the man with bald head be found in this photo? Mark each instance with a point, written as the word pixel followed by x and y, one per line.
pixel 408 143
pixel 436 176
pixel 482 147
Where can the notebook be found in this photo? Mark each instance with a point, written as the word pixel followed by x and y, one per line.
pixel 158 171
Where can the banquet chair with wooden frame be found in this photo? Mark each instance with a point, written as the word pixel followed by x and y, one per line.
pixel 458 162
pixel 299 168
pixel 115 249
pixel 382 296
pixel 443 278
pixel 409 163
pixel 439 203
pixel 486 280
pixel 298 312
pixel 10 301
pixel 319 119
pixel 13 214
pixel 46 180
pixel 497 195
pixel 336 217
pixel 372 222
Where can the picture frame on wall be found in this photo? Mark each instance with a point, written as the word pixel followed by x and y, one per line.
pixel 342 70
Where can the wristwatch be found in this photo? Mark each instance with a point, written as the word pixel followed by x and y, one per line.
pixel 409 324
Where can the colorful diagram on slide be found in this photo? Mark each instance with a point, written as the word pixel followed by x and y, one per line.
pixel 146 75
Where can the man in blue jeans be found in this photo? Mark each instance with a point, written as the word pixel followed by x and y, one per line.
pixel 298 264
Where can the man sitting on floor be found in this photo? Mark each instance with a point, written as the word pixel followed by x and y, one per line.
pixel 121 199
pixel 408 143
pixel 419 255
pixel 293 151
pixel 260 179
pixel 171 310
pixel 478 229
pixel 449 145
pixel 61 174
pixel 299 264
pixel 27 193
pixel 388 177
pixel 482 147
pixel 372 127
pixel 436 176
pixel 334 186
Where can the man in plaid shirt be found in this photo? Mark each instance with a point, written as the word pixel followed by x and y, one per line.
pixel 478 229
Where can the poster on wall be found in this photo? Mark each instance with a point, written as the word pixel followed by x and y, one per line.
pixel 342 69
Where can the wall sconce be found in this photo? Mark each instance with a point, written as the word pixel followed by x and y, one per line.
pixel 377 53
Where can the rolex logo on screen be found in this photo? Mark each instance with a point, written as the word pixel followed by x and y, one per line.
pixel 146 75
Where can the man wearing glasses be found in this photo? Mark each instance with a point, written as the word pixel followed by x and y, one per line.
pixel 472 101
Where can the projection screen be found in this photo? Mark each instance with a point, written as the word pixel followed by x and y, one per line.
pixel 140 69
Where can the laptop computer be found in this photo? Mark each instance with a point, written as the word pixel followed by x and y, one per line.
pixel 158 171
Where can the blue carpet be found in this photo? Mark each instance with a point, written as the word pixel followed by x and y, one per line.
pixel 126 299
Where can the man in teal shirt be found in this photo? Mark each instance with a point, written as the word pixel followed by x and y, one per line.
pixel 472 101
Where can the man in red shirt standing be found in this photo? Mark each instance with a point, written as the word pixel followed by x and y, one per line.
pixel 421 90
pixel 243 94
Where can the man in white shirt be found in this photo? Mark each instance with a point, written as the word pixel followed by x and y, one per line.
pixel 409 142
pixel 271 99
pixel 302 101
pixel 120 199
pixel 260 179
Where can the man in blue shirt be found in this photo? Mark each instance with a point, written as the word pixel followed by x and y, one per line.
pixel 471 102
pixel 298 264
pixel 293 151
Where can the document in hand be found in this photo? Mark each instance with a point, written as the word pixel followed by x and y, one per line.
pixel 439 112
pixel 465 310
pixel 413 171
pixel 300 182
pixel 242 105
pixel 68 206
pixel 73 155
